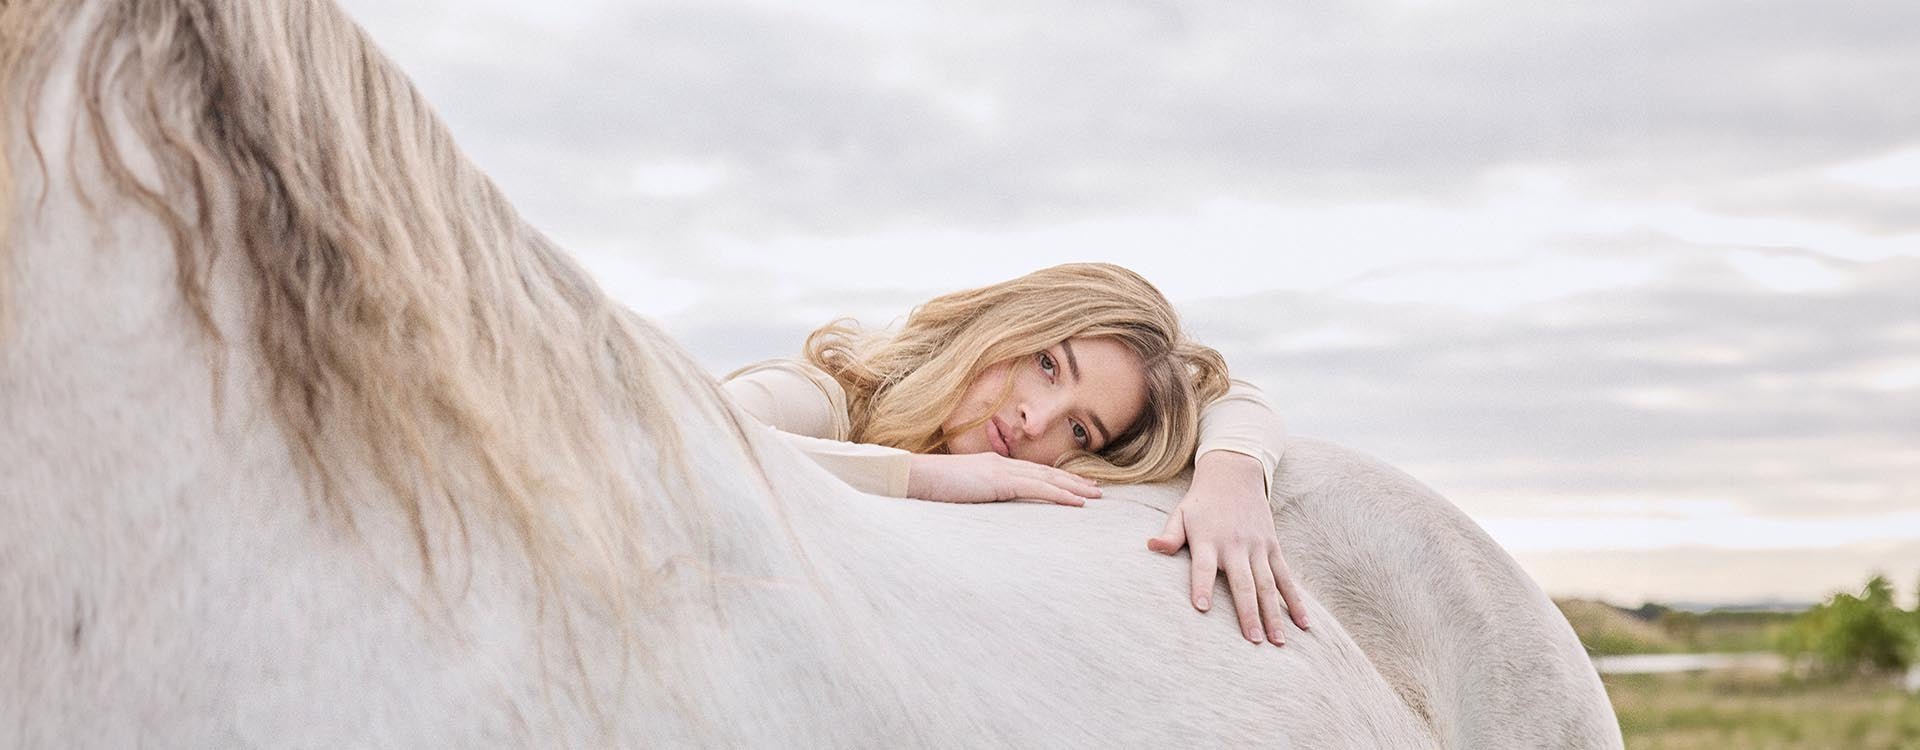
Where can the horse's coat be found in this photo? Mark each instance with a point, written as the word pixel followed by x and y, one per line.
pixel 176 573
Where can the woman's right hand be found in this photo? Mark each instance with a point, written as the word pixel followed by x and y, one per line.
pixel 991 477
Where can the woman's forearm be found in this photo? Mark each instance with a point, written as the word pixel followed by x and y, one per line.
pixel 1224 471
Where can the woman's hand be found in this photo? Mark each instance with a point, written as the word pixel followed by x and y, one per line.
pixel 991 477
pixel 1226 522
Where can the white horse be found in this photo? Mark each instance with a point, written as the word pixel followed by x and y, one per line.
pixel 306 439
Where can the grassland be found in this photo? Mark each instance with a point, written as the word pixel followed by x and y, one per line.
pixel 1761 710
pixel 1735 709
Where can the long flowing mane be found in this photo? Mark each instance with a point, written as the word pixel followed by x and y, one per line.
pixel 415 334
pixel 410 321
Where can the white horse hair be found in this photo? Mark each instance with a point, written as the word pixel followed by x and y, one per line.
pixel 306 439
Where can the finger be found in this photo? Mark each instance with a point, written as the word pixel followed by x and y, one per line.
pixel 1079 479
pixel 1042 490
pixel 1075 484
pixel 1269 596
pixel 1172 537
pixel 1066 482
pixel 1202 572
pixel 1240 583
pixel 1289 591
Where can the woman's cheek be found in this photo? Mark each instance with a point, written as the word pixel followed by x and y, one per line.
pixel 1045 451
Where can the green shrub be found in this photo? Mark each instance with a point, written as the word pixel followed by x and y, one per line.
pixel 1852 635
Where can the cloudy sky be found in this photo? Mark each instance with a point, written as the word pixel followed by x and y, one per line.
pixel 1632 283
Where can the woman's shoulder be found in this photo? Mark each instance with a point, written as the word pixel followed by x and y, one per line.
pixel 797 395
pixel 793 367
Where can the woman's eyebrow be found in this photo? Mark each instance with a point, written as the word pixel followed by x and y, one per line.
pixel 1105 437
pixel 1073 364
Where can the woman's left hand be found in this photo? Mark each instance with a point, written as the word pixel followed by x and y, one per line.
pixel 1227 523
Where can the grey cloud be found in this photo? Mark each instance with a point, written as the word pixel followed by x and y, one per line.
pixel 1114 108
pixel 1119 107
pixel 1538 387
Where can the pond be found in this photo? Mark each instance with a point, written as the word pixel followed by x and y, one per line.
pixel 1666 663
pixel 1753 660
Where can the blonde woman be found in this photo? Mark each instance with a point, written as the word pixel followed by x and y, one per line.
pixel 1039 388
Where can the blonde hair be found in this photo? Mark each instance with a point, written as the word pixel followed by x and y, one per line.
pixel 903 386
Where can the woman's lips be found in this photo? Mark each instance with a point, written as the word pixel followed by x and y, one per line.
pixel 996 437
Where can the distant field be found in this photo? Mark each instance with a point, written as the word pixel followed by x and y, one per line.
pixel 1734 709
pixel 1749 710
pixel 1607 630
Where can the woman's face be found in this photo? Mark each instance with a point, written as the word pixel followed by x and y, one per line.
pixel 1079 393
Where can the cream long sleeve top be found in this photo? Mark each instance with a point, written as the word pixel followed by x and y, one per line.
pixel 809 408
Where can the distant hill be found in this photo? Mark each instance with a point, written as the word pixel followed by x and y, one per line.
pixel 1766 606
pixel 1607 630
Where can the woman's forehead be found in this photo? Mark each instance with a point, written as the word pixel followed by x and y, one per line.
pixel 1109 376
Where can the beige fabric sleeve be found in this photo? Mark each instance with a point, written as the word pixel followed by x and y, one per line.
pixel 1243 421
pixel 874 469
pixel 809 410
pixel 792 396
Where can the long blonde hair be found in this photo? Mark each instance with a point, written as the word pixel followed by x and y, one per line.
pixel 902 386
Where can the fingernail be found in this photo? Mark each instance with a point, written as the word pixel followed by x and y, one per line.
pixel 1201 603
pixel 1274 635
pixel 1253 634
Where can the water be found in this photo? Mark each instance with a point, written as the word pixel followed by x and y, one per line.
pixel 1669 663
pixel 1755 660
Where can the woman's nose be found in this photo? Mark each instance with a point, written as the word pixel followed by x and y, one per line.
pixel 1035 418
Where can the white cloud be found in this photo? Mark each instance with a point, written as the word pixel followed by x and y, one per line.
pixel 1893 374
pixel 1894 171
pixel 1730 531
pixel 678 179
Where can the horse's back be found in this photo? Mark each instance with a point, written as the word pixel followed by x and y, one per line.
pixel 1426 631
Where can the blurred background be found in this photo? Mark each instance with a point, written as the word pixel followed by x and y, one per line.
pixel 1633 284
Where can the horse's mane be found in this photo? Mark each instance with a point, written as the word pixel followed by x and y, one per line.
pixel 404 316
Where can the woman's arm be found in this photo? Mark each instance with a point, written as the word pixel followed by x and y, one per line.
pixel 809 411
pixel 807 408
pixel 791 396
pixel 1225 519
pixel 1244 421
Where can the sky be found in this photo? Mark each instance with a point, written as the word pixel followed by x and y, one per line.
pixel 1632 284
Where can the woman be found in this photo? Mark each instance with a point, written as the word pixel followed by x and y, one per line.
pixel 1036 388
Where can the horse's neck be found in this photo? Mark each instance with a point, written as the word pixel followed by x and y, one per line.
pixel 103 378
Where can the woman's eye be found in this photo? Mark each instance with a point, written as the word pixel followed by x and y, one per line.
pixel 1046 363
pixel 1079 434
